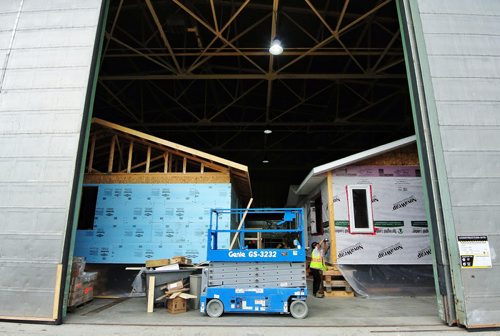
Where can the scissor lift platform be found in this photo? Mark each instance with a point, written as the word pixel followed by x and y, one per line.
pixel 265 280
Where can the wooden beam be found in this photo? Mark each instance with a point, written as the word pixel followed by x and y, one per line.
pixel 341 16
pixel 140 53
pixel 226 106
pixel 124 106
pixel 175 100
pixel 318 92
pixel 241 223
pixel 111 154
pixel 91 155
pixel 143 163
pixel 320 17
pixel 269 95
pixel 274 76
pixel 361 110
pixel 364 16
pixel 165 165
pixel 265 52
pixel 151 294
pixel 111 31
pixel 208 163
pixel 148 159
pixel 336 35
pixel 219 35
pixel 57 292
pixel 27 318
pixel 387 48
pixel 214 15
pixel 172 145
pixel 130 152
pixel 301 28
pixel 120 154
pixel 217 51
pixel 162 34
pixel 151 178
pixel 331 220
pixel 184 165
pixel 202 168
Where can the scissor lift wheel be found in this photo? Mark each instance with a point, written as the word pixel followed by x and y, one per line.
pixel 298 309
pixel 215 308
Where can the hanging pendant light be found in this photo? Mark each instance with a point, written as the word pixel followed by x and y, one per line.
pixel 276 48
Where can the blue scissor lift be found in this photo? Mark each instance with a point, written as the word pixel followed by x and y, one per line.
pixel 256 280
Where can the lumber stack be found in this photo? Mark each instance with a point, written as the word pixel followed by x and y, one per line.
pixel 335 285
pixel 181 260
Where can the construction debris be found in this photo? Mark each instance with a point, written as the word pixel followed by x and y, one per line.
pixel 176 297
pixel 82 284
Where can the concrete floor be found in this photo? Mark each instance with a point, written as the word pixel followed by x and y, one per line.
pixel 329 316
pixel 331 312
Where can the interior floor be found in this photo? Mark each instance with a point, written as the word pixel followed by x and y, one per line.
pixel 326 312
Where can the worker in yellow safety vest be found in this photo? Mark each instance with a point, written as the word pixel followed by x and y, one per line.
pixel 317 264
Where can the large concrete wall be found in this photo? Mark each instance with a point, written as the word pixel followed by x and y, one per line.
pixel 459 47
pixel 46 49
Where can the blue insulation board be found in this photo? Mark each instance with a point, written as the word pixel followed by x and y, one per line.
pixel 137 222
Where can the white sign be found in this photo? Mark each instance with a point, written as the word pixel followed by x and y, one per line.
pixel 474 251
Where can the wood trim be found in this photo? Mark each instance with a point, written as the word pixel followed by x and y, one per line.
pixel 111 154
pixel 331 220
pixel 57 292
pixel 130 153
pixel 26 318
pixel 151 178
pixel 170 144
pixel 151 294
pixel 148 159
pixel 165 165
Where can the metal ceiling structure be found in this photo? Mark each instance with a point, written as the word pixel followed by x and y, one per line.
pixel 200 73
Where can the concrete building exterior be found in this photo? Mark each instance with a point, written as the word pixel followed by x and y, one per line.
pixel 49 52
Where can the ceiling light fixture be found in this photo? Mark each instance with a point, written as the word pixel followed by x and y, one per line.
pixel 265 161
pixel 276 47
pixel 268 131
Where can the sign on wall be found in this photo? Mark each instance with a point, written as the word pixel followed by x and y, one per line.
pixel 137 222
pixel 401 235
pixel 474 252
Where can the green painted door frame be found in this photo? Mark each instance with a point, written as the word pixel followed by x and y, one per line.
pixel 76 195
pixel 430 157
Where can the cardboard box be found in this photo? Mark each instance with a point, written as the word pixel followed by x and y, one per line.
pixel 157 263
pixel 177 305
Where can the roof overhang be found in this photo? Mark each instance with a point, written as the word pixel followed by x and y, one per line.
pixel 318 174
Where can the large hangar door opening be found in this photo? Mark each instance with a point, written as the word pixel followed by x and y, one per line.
pixel 200 74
